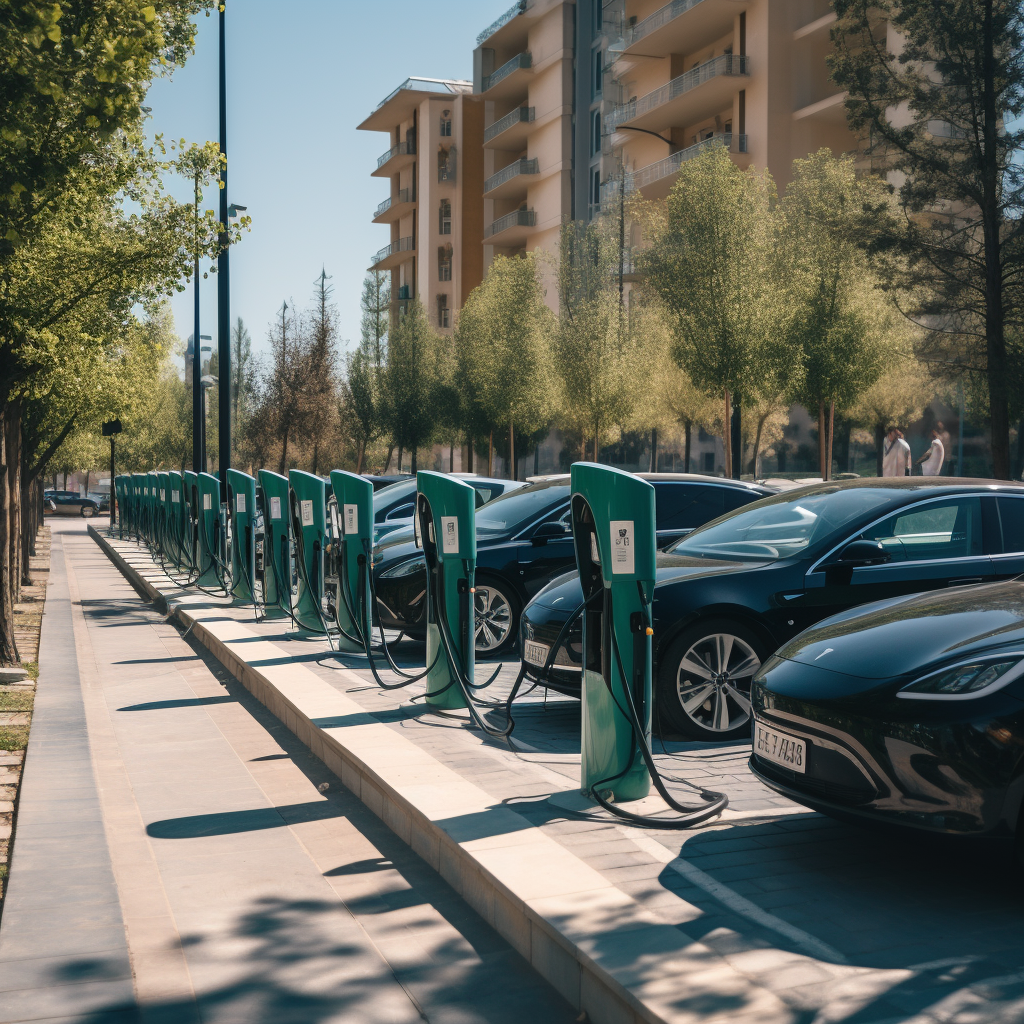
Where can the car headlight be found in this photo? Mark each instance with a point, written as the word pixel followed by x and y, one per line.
pixel 405 568
pixel 968 679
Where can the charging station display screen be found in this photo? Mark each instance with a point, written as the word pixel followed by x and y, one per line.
pixel 623 548
pixel 307 512
pixel 351 518
pixel 275 508
pixel 207 501
pixel 240 502
pixel 450 535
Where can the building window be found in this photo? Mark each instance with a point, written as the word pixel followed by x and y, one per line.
pixel 598 16
pixel 598 71
pixel 444 217
pixel 446 124
pixel 444 314
pixel 446 164
pixel 444 262
pixel 595 186
pixel 595 133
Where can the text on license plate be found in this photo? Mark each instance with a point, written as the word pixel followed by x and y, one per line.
pixel 535 653
pixel 778 747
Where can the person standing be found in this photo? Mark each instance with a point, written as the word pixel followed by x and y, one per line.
pixel 895 454
pixel 931 461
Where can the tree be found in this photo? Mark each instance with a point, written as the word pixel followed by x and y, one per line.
pixel 714 265
pixel 509 328
pixel 842 321
pixel 284 387
pixel 319 387
pixel 410 380
pixel 242 383
pixel 941 108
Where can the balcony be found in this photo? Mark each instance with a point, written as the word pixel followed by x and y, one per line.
pixel 395 207
pixel 519 7
pixel 508 182
pixel 700 92
pixel 509 79
pixel 655 180
pixel 510 131
pixel 512 230
pixel 395 159
pixel 681 26
pixel 394 254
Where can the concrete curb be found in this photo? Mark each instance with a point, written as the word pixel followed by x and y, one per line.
pixel 655 973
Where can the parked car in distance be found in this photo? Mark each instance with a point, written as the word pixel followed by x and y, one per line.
pixel 380 482
pixel 71 503
pixel 524 540
pixel 733 591
pixel 102 500
pixel 908 712
pixel 393 506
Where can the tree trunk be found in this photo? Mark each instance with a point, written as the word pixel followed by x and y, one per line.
pixel 8 645
pixel 451 457
pixel 469 454
pixel 513 469
pixel 687 429
pixel 831 436
pixel 727 437
pixel 412 464
pixel 13 432
pixel 821 439
pixel 387 461
pixel 490 454
pixel 654 449
pixel 879 447
pixel 400 454
pixel 757 443
pixel 360 449
pixel 284 455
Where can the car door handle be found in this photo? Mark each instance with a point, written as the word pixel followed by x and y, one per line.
pixel 969 581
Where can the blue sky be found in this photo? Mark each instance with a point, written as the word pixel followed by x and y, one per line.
pixel 301 76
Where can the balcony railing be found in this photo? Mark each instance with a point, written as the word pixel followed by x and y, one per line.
pixel 519 7
pixel 407 148
pixel 513 170
pixel 403 195
pixel 522 60
pixel 518 218
pixel 644 176
pixel 519 115
pixel 406 244
pixel 659 18
pixel 727 64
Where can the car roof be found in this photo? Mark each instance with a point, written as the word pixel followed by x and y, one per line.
pixel 911 486
pixel 701 478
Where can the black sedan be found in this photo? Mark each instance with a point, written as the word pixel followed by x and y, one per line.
pixel 524 539
pixel 909 712
pixel 71 503
pixel 733 591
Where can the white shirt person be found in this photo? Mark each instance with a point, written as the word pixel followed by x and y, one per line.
pixel 931 461
pixel 895 454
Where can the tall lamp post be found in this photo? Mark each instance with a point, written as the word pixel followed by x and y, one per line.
pixel 223 287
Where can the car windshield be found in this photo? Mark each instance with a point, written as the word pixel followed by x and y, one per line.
pixel 513 511
pixel 386 495
pixel 783 526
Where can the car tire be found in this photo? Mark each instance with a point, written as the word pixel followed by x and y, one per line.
pixel 715 659
pixel 496 617
pixel 87 512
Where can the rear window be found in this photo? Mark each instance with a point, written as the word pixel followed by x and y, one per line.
pixel 516 509
pixel 1011 519
pixel 687 506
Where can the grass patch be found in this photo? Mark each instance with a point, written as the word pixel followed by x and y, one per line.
pixel 32 668
pixel 13 737
pixel 11 700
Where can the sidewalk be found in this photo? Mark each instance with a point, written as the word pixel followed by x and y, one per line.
pixel 181 857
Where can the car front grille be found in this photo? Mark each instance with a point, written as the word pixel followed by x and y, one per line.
pixel 831 775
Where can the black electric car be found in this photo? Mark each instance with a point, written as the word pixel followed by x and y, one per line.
pixel 909 712
pixel 524 539
pixel 394 504
pixel 733 591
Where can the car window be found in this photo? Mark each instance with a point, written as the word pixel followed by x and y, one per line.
pixel 687 506
pixel 387 497
pixel 1011 521
pixel 485 493
pixel 940 529
pixel 782 526
pixel 737 497
pixel 516 509
pixel 402 512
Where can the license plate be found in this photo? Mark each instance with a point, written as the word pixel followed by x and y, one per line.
pixel 535 653
pixel 781 749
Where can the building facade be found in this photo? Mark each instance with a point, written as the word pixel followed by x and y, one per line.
pixel 433 207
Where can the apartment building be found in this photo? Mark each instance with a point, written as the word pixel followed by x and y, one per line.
pixel 433 167
pixel 747 74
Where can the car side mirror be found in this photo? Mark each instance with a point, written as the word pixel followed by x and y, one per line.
pixel 864 552
pixel 548 531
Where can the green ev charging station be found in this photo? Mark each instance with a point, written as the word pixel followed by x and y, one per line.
pixel 163 515
pixel 134 505
pixel 354 535
pixel 176 517
pixel 277 560
pixel 119 498
pixel 614 534
pixel 446 524
pixel 152 506
pixel 139 504
pixel 242 507
pixel 207 516
pixel 191 497
pixel 308 507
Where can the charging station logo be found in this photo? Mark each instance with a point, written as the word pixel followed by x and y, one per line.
pixel 623 560
pixel 450 535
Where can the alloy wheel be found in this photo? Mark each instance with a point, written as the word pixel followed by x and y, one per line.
pixel 713 682
pixel 493 618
